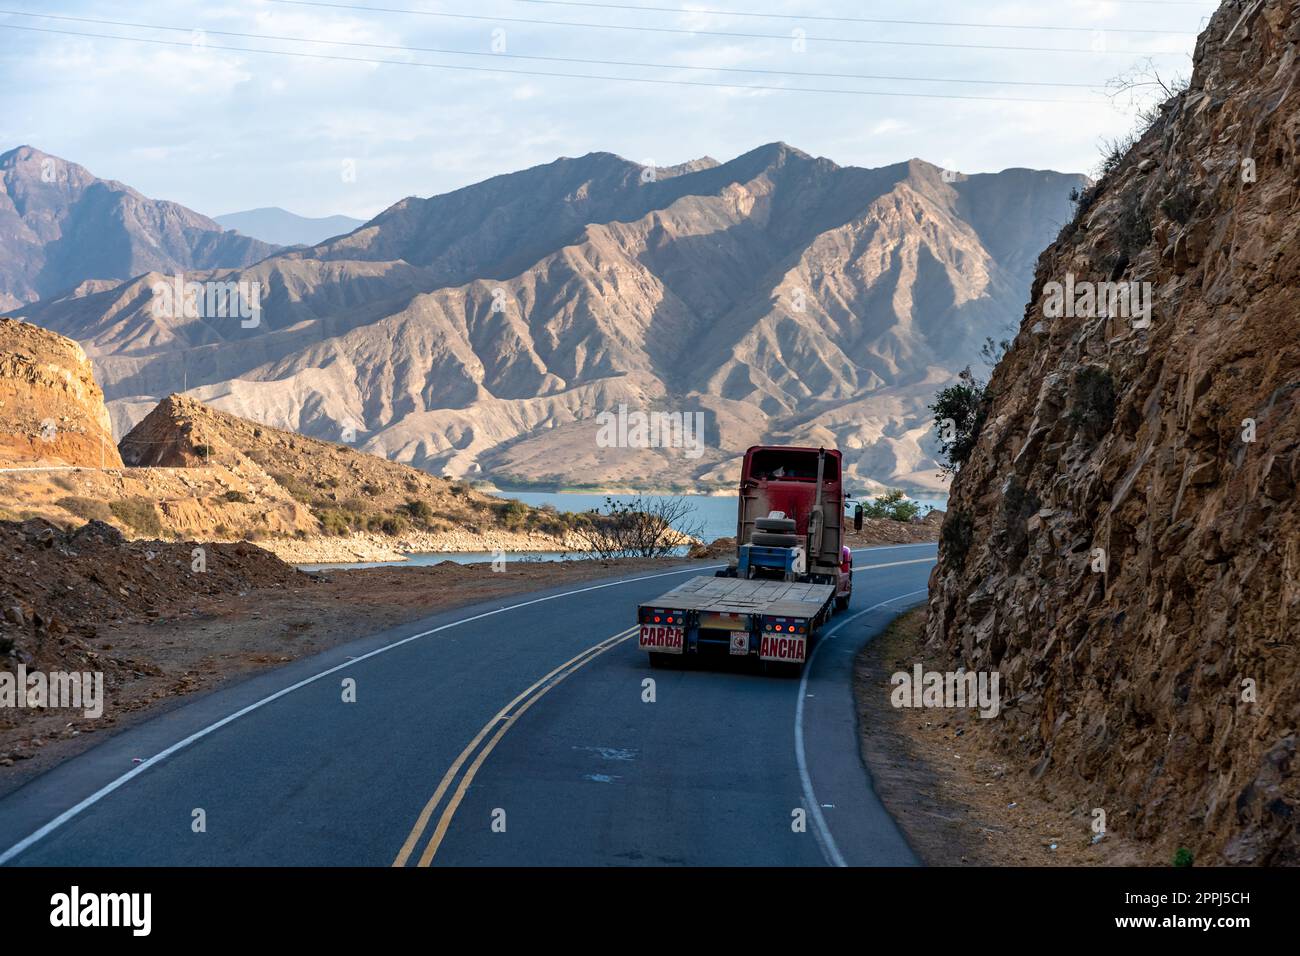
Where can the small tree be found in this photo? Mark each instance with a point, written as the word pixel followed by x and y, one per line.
pixel 638 527
pixel 959 414
pixel 893 505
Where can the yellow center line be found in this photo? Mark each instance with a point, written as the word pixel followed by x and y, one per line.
pixel 422 822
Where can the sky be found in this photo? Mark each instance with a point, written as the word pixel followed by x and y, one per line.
pixel 329 107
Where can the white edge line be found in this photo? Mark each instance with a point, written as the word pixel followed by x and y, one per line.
pixel 820 830
pixel 893 564
pixel 22 845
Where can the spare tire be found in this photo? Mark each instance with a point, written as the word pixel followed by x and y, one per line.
pixel 779 525
pixel 769 540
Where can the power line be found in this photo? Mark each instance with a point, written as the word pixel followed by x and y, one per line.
pixel 574 76
pixel 722 33
pixel 681 11
pixel 557 59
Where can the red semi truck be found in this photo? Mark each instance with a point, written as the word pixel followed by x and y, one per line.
pixel 792 570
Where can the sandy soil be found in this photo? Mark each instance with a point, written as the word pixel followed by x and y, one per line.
pixel 958 800
pixel 210 640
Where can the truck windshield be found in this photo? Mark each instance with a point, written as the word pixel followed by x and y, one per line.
pixel 784 465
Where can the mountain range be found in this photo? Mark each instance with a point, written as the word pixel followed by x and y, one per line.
pixel 61 227
pixel 481 332
pixel 283 228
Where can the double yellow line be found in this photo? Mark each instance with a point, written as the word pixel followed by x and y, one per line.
pixel 502 722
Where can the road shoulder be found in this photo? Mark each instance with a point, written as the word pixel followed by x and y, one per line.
pixel 957 798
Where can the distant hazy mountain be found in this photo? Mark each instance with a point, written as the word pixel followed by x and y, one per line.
pixel 60 226
pixel 481 332
pixel 283 228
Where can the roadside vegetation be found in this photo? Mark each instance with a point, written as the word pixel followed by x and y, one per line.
pixel 894 505
pixel 638 527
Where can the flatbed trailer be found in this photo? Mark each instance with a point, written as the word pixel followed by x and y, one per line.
pixel 765 619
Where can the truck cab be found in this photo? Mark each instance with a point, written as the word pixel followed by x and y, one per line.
pixel 804 487
pixel 791 574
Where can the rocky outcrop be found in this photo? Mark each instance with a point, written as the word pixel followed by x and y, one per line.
pixel 51 410
pixel 1123 543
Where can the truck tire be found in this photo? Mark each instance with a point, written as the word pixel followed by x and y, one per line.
pixel 663 661
pixel 842 603
pixel 778 525
pixel 765 539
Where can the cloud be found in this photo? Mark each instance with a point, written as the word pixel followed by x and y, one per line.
pixel 222 130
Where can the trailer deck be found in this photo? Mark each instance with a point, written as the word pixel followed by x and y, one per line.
pixel 739 596
pixel 770 620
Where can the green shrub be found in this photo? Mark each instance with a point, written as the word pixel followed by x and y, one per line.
pixel 394 524
pixel 89 509
pixel 138 514
pixel 892 505
pixel 293 485
pixel 959 414
pixel 955 539
pixel 1133 230
pixel 1092 406
pixel 512 514
pixel 419 511
pixel 1179 204
pixel 1183 857
pixel 334 522
pixel 1018 505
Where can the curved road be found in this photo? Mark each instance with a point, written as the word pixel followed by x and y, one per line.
pixel 519 732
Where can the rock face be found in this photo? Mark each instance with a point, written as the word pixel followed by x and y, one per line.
pixel 60 226
pixel 480 333
pixel 51 410
pixel 1123 544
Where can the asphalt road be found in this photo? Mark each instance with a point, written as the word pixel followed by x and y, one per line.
pixel 518 732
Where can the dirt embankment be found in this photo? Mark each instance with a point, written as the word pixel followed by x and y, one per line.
pixel 880 531
pixel 51 409
pixel 1123 543
pixel 159 624
pixel 960 800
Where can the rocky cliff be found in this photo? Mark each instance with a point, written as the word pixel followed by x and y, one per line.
pixel 51 410
pixel 1123 544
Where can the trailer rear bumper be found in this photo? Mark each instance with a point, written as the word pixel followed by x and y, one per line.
pixel 782 640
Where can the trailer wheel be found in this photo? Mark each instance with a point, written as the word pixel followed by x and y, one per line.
pixel 842 603
pixel 663 661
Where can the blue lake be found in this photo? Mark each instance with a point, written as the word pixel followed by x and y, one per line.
pixel 717 514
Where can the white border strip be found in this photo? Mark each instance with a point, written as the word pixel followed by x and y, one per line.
pixel 156 759
pixel 74 811
pixel 821 831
